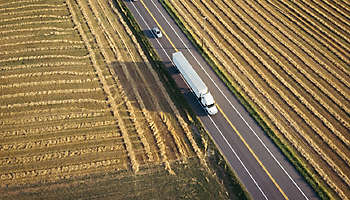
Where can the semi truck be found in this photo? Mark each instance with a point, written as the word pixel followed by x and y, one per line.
pixel 195 82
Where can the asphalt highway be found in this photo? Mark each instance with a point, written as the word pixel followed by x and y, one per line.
pixel 257 162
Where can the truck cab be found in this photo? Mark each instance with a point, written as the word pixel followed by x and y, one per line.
pixel 208 102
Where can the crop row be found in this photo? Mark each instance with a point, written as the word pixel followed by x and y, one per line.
pixel 40 42
pixel 22 2
pixel 53 128
pixel 314 25
pixel 43 22
pixel 51 92
pixel 43 57
pixel 311 49
pixel 83 10
pixel 62 142
pixel 34 6
pixel 62 48
pixel 288 67
pixel 32 17
pixel 331 22
pixel 33 74
pixel 42 28
pixel 109 57
pixel 32 11
pixel 281 92
pixel 22 160
pixel 62 171
pixel 41 65
pixel 248 73
pixel 303 25
pixel 65 101
pixel 276 72
pixel 45 118
pixel 40 83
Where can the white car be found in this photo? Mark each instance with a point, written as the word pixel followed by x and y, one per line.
pixel 157 32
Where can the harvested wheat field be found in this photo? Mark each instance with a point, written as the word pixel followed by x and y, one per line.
pixel 291 60
pixel 84 115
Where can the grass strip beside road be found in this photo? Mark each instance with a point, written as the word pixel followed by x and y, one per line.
pixel 293 156
pixel 217 161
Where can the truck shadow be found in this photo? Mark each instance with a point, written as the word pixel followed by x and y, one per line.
pixel 136 81
pixel 194 103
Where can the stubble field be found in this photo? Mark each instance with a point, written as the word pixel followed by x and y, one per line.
pixel 82 112
pixel 291 60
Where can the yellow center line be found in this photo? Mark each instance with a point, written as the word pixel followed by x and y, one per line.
pixel 252 152
pixel 233 127
pixel 164 33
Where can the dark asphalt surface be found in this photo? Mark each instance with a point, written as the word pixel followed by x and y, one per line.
pixel 268 175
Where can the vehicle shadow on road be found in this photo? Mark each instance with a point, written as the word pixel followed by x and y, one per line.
pixel 149 33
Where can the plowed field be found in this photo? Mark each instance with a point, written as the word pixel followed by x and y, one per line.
pixel 82 112
pixel 291 59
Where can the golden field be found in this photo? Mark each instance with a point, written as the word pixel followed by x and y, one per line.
pixel 291 60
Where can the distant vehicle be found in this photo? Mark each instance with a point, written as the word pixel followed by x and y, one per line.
pixel 195 82
pixel 157 32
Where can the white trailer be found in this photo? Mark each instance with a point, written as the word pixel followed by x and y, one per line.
pixel 195 82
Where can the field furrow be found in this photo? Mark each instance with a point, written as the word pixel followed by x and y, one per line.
pixel 286 68
pixel 287 37
pixel 301 77
pixel 330 12
pixel 323 55
pixel 280 91
pixel 333 142
pixel 342 53
pixel 283 49
pixel 326 18
pixel 338 7
pixel 327 31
